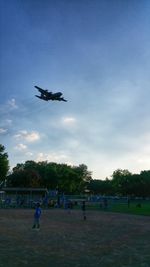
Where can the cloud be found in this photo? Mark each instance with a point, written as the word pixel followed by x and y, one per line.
pixel 28 136
pixel 5 124
pixel 29 154
pixel 21 147
pixel 12 104
pixel 3 131
pixel 70 121
pixel 6 108
pixel 69 124
pixel 23 151
pixel 58 157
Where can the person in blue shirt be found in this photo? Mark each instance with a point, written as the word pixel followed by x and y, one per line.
pixel 37 216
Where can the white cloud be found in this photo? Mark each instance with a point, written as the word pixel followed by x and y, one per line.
pixel 24 149
pixel 69 124
pixel 7 107
pixel 3 131
pixel 29 154
pixel 12 104
pixel 53 157
pixel 28 136
pixel 32 137
pixel 21 147
pixel 69 121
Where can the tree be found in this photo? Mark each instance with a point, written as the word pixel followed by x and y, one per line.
pixel 102 187
pixel 48 174
pixel 4 163
pixel 83 177
pixel 121 181
pixel 52 175
pixel 145 183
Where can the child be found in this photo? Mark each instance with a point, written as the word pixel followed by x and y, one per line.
pixel 37 215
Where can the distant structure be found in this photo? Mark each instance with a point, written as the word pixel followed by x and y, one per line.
pixel 21 197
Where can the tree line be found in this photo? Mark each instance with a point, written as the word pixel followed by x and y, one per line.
pixel 65 178
pixel 4 163
pixel 123 183
pixel 72 179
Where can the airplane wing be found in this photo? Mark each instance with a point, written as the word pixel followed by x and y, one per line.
pixel 62 99
pixel 42 91
pixel 42 97
pixel 39 88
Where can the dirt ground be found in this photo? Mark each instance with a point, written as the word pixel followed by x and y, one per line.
pixel 103 240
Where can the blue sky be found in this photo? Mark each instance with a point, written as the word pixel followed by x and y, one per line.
pixel 98 54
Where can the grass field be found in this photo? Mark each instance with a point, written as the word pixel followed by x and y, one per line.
pixel 123 208
pixel 105 239
pixel 143 210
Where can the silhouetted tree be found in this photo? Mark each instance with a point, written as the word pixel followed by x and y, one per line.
pixel 4 163
pixel 121 181
pixel 102 187
pixel 66 178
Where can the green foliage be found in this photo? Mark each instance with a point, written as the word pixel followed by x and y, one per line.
pixel 121 180
pixel 103 187
pixel 145 182
pixel 4 163
pixel 73 179
pixel 123 183
pixel 65 178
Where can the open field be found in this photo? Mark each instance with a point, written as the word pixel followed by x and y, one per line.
pixel 144 209
pixel 105 239
pixel 134 209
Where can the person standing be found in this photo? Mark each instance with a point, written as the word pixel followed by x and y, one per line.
pixel 83 210
pixel 37 215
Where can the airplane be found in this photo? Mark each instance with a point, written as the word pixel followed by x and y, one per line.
pixel 46 95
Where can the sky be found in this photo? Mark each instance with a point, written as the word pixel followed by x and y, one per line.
pixel 97 53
